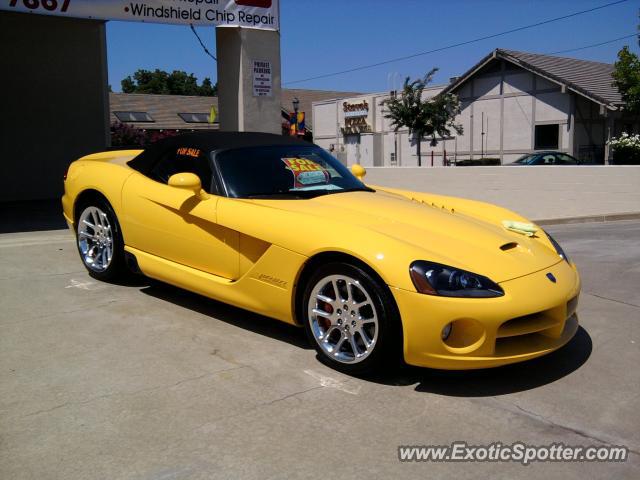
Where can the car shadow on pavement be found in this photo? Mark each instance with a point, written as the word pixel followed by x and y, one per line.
pixel 491 382
pixel 226 313
pixel 487 382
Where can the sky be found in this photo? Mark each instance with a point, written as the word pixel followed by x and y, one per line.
pixel 325 36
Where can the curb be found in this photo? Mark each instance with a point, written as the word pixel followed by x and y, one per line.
pixel 607 217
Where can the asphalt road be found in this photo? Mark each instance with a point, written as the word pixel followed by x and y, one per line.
pixel 145 381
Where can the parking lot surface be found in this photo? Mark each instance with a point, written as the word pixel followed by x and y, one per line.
pixel 146 381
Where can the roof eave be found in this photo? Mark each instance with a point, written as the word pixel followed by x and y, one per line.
pixel 559 81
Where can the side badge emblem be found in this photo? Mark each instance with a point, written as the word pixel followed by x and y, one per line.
pixel 551 277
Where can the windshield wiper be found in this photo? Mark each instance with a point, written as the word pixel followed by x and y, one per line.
pixel 354 189
pixel 306 193
pixel 285 194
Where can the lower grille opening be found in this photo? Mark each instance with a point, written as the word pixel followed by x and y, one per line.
pixel 530 341
pixel 528 324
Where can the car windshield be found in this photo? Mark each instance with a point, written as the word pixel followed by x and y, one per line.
pixel 525 159
pixel 285 171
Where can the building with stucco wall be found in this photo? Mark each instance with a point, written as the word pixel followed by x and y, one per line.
pixel 512 103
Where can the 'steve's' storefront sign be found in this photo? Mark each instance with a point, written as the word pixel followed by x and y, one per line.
pixel 262 14
pixel 355 117
pixel 353 110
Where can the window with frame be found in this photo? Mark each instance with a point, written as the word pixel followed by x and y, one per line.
pixel 184 160
pixel 195 117
pixel 139 117
pixel 547 136
pixel 549 159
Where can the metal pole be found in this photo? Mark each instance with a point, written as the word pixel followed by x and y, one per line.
pixel 482 135
pixel 455 151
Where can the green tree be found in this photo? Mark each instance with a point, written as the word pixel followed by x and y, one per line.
pixel 626 77
pixel 160 82
pixel 434 117
pixel 208 89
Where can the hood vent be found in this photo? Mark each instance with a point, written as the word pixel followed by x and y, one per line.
pixel 509 246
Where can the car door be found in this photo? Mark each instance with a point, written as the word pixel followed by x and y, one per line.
pixel 173 223
pixel 563 159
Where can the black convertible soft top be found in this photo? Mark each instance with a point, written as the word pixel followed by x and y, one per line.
pixel 209 141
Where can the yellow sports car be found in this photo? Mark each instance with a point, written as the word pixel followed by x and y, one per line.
pixel 278 226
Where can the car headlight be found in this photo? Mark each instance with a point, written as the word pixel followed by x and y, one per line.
pixel 558 248
pixel 435 279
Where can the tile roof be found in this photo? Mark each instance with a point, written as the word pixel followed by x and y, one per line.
pixel 164 109
pixel 592 80
pixel 592 77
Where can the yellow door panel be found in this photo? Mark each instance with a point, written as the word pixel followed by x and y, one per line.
pixel 174 224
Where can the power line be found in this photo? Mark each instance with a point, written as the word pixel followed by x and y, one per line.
pixel 459 44
pixel 594 45
pixel 206 50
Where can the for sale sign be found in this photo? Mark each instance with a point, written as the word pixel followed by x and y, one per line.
pixel 306 172
pixel 261 14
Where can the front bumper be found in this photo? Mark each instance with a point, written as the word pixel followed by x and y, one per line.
pixel 67 211
pixel 534 317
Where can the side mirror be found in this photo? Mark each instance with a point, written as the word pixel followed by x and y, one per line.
pixel 186 181
pixel 358 170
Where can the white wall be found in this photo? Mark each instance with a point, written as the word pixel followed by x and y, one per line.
pixel 518 123
pixel 487 111
pixel 552 107
pixel 324 119
pixel 536 192
pixel 517 82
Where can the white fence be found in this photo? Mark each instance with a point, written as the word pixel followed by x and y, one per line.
pixel 537 192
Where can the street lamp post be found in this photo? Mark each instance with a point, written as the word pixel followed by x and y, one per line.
pixel 296 106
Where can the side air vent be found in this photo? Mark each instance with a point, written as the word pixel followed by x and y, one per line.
pixel 509 246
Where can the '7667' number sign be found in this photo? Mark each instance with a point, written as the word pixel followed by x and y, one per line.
pixel 259 14
pixel 50 5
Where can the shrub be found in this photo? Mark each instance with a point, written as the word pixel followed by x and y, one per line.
pixel 124 135
pixel 154 136
pixel 626 149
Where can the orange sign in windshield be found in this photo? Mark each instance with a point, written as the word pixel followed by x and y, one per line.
pixel 307 172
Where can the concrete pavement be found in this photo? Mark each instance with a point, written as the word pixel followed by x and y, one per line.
pixel 145 381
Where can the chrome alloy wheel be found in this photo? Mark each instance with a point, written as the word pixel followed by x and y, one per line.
pixel 95 239
pixel 343 318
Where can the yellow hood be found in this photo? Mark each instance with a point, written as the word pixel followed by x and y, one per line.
pixel 457 239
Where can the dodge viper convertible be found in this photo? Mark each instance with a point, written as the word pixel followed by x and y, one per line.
pixel 278 226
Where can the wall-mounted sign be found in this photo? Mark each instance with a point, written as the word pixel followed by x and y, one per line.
pixel 261 14
pixel 262 86
pixel 354 110
pixel 355 118
pixel 356 125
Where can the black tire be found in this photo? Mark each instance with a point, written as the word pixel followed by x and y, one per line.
pixel 387 347
pixel 116 268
